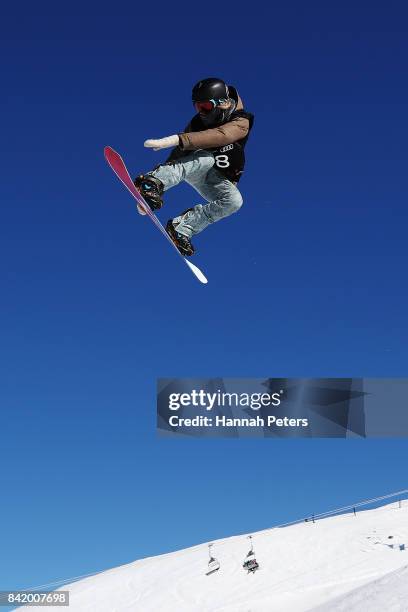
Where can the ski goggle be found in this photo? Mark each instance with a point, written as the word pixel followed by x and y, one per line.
pixel 206 106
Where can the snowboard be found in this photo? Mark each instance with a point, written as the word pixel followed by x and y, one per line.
pixel 118 166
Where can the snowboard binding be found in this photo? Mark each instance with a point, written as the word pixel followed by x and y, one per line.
pixel 182 242
pixel 151 189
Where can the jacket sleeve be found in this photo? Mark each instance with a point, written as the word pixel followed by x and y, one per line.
pixel 215 137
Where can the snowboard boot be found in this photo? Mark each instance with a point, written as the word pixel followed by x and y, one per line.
pixel 182 242
pixel 151 189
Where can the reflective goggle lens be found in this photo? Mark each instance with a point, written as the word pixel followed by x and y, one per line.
pixel 204 107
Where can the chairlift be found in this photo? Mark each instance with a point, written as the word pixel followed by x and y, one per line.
pixel 213 563
pixel 250 563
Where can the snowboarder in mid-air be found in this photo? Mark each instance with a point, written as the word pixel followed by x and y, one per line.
pixel 208 155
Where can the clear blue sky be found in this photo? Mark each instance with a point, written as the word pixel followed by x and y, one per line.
pixel 308 279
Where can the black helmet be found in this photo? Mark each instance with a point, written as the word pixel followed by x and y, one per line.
pixel 212 102
pixel 210 89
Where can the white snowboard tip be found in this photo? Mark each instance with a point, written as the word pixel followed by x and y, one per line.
pixel 196 271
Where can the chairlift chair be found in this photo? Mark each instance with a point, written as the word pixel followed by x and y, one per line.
pixel 250 563
pixel 213 563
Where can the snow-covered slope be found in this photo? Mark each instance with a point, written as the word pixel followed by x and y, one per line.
pixel 386 594
pixel 342 563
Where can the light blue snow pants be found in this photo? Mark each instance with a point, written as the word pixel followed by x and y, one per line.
pixel 196 169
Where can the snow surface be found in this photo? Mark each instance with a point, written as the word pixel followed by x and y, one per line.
pixel 389 593
pixel 341 563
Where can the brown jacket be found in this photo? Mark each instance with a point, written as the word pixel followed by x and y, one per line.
pixel 232 135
